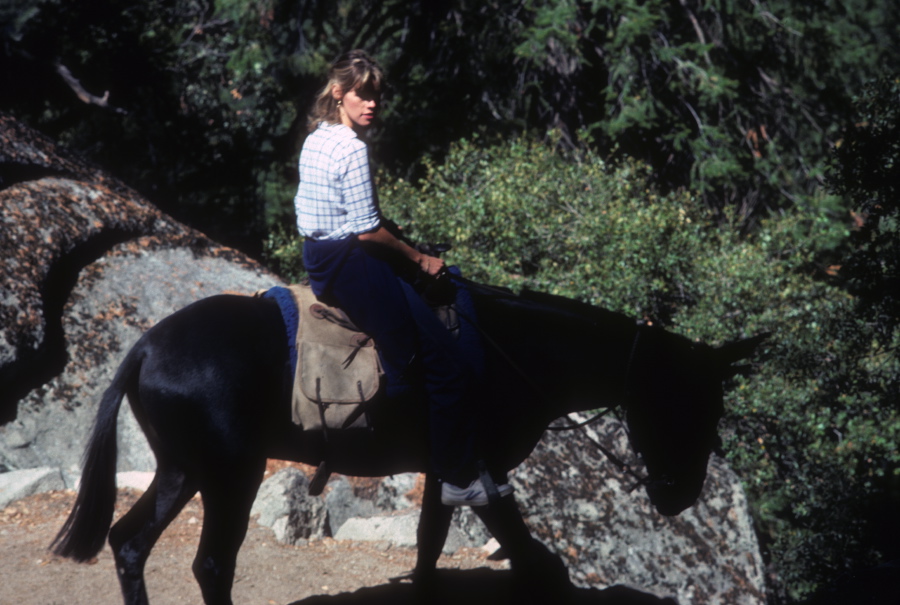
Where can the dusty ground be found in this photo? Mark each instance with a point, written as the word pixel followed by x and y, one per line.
pixel 269 573
pixel 325 572
pixel 322 572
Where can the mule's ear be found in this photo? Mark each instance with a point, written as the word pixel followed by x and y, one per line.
pixel 728 353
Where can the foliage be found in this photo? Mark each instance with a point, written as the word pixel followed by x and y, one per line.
pixel 739 101
pixel 812 434
pixel 866 170
pixel 187 117
pixel 810 431
pixel 526 216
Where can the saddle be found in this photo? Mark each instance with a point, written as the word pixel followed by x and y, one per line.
pixel 337 370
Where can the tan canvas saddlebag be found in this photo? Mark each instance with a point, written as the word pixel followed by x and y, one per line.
pixel 338 369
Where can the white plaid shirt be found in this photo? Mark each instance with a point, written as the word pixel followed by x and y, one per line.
pixel 336 197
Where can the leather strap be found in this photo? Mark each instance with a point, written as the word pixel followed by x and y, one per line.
pixel 488 482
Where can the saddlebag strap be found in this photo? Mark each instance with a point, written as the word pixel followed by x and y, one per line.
pixel 320 478
pixel 322 407
pixel 360 409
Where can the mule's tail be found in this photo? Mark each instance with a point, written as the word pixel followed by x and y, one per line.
pixel 84 532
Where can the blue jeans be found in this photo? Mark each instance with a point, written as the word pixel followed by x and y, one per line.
pixel 386 307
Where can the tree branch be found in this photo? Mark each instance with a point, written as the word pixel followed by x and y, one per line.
pixel 83 94
pixel 697 30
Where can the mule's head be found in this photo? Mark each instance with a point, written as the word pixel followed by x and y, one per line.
pixel 673 410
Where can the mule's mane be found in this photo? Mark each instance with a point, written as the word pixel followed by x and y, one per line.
pixel 608 322
pixel 597 315
pixel 554 305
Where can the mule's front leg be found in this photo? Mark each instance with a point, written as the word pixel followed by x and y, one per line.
pixel 434 525
pixel 539 575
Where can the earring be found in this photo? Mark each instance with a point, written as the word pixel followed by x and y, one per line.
pixel 340 101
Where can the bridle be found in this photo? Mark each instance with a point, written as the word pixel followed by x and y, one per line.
pixel 640 325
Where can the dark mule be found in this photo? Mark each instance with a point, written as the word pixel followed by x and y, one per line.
pixel 209 387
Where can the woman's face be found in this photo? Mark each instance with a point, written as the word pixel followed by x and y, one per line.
pixel 358 107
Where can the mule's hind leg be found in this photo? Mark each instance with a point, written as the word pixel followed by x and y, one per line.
pixel 134 535
pixel 227 500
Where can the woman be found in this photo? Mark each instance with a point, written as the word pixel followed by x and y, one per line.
pixel 356 262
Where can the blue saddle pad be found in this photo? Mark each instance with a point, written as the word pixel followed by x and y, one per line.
pixel 291 317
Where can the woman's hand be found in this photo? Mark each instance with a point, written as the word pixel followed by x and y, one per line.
pixel 431 265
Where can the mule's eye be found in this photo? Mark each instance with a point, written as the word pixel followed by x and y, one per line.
pixel 666 481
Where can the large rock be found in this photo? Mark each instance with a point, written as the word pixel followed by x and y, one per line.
pixel 343 503
pixel 16 485
pixel 393 494
pixel 398 529
pixel 86 265
pixel 283 504
pixel 583 507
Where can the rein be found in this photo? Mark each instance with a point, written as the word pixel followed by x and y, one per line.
pixel 620 464
pixel 581 424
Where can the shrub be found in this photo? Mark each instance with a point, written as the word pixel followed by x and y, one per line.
pixel 523 215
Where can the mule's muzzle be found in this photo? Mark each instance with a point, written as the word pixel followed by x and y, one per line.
pixel 671 495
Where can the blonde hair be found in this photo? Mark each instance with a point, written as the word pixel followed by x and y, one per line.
pixel 351 71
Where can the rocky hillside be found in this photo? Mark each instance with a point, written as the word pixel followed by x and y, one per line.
pixel 86 265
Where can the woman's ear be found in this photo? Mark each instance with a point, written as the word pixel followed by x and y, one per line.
pixel 337 92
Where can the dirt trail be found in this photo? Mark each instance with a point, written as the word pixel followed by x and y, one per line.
pixel 323 572
pixel 269 573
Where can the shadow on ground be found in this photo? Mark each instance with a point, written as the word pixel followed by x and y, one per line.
pixel 484 586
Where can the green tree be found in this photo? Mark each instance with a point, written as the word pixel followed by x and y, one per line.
pixel 866 170
pixel 738 101
pixel 183 100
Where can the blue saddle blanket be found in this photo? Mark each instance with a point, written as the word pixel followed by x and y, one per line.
pixel 291 316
